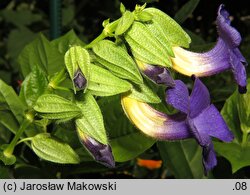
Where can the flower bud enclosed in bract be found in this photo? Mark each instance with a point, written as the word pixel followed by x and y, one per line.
pixel 102 153
pixel 77 61
pixel 79 80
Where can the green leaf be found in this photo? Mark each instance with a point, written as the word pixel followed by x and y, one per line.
pixel 183 158
pixel 33 86
pixel 145 46
pixel 64 42
pixel 68 15
pixel 170 28
pixel 125 22
pixel 8 120
pixel 42 53
pixel 244 110
pixel 237 155
pixel 9 97
pixel 104 83
pixel 52 150
pixel 52 106
pixel 126 141
pixel 5 134
pixel 67 133
pixel 129 146
pixel 236 112
pixel 77 58
pixel 185 11
pixel 17 39
pixel 5 76
pixel 116 59
pixel 143 93
pixel 20 17
pixel 5 172
pixel 91 122
pixel 231 116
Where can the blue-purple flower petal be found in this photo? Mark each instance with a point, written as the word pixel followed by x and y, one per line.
pixel 102 153
pixel 232 39
pixel 210 122
pixel 229 34
pixel 79 80
pixel 165 78
pixel 200 135
pixel 199 98
pixel 225 55
pixel 238 70
pixel 157 74
pixel 175 128
pixel 178 97
pixel 209 157
pixel 203 120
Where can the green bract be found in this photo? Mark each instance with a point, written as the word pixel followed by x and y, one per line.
pixel 104 83
pixel 52 106
pixel 166 29
pixel 77 59
pixel 142 16
pixel 143 93
pixel 116 59
pixel 91 121
pixel 52 150
pixel 125 22
pixel 145 47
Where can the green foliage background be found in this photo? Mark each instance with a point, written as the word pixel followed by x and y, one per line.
pixel 22 22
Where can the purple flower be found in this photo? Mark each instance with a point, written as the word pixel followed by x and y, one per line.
pixel 157 74
pixel 79 80
pixel 202 118
pixel 101 153
pixel 154 123
pixel 224 56
pixel 198 118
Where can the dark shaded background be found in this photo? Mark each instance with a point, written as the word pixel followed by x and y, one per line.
pixel 86 17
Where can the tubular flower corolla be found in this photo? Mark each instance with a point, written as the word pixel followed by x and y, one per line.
pixel 197 119
pixel 223 56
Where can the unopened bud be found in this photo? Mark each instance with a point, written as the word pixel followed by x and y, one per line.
pixel 101 152
pixel 79 80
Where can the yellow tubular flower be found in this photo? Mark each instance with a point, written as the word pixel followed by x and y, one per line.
pixel 154 123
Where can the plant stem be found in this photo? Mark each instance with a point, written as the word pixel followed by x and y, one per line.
pixel 58 78
pixel 24 140
pixel 97 39
pixel 62 88
pixel 9 150
pixel 244 139
pixel 107 32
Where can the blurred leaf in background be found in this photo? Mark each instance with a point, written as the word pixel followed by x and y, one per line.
pixel 22 23
pixel 236 113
